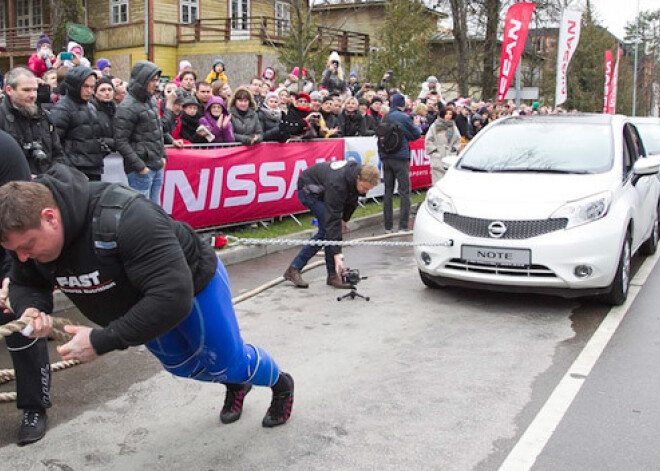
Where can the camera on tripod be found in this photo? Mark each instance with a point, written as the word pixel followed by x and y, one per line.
pixel 351 276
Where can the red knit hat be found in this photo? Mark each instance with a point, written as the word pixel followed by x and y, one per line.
pixel 304 95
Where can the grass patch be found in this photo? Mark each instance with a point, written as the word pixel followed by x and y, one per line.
pixel 285 225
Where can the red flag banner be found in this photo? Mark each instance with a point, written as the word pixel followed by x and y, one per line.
pixel 615 85
pixel 609 66
pixel 516 28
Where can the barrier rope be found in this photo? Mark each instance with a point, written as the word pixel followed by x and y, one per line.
pixel 369 242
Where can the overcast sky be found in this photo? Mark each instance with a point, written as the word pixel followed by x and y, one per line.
pixel 615 14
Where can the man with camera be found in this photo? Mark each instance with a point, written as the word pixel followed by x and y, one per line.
pixel 331 191
pixel 22 117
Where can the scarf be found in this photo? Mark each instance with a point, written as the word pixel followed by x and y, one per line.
pixel 445 126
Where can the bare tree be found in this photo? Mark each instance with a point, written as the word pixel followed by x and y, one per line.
pixel 63 11
pixel 488 82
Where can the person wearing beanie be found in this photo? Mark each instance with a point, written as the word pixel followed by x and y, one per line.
pixel 316 99
pixel 184 65
pixel 104 102
pixel 216 123
pixel 432 84
pixel 353 84
pixel 217 72
pixel 269 74
pixel 293 79
pixel 79 58
pixel 188 122
pixel 104 66
pixel 270 115
pixel 43 59
pixel 77 123
pixel 396 163
pixel 333 75
pixel 374 115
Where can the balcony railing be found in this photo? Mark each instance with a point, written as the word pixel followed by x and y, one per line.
pixel 22 40
pixel 269 31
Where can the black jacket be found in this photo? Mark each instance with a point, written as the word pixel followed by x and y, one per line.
pixel 270 124
pixel 137 295
pixel 334 183
pixel 331 121
pixel 352 124
pixel 139 135
pixel 106 115
pixel 78 125
pixel 27 130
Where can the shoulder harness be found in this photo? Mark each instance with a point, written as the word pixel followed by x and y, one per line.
pixel 107 215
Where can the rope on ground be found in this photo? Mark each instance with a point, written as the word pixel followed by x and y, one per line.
pixel 9 375
pixel 366 241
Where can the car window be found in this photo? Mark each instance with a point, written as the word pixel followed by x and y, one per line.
pixel 650 134
pixel 541 146
pixel 630 143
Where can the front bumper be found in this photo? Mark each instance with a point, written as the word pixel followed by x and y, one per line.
pixel 554 257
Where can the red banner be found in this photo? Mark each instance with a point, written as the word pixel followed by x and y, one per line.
pixel 608 80
pixel 614 85
pixel 516 28
pixel 212 187
pixel 420 165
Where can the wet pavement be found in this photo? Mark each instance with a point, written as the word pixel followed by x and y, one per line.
pixel 413 379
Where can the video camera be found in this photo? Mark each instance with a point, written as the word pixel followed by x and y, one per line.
pixel 351 276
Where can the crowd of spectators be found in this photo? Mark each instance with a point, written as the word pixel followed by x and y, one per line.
pixel 63 108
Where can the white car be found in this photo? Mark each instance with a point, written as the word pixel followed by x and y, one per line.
pixel 649 131
pixel 544 204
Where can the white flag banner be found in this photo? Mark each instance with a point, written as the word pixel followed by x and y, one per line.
pixel 569 37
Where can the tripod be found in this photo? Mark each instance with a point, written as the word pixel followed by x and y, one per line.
pixel 353 294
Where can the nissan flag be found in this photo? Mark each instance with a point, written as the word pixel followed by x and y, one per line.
pixel 516 28
pixel 569 36
pixel 608 80
pixel 611 109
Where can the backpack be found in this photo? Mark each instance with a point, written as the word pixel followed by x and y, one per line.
pixel 390 137
pixel 107 214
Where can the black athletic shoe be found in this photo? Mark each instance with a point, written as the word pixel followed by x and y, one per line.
pixel 281 405
pixel 233 407
pixel 33 427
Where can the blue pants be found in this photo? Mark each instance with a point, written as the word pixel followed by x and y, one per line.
pixel 207 345
pixel 148 184
pixel 308 251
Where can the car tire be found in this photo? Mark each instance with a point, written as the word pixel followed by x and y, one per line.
pixel 428 280
pixel 650 245
pixel 618 292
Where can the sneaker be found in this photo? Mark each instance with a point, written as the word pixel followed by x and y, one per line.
pixel 389 231
pixel 33 427
pixel 293 275
pixel 233 407
pixel 335 280
pixel 280 407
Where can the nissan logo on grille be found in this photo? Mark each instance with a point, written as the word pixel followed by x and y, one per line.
pixel 496 229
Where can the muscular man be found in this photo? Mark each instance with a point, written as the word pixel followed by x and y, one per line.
pixel 162 287
pixel 29 356
pixel 331 191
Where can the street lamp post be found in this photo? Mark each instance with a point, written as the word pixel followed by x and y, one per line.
pixel 634 103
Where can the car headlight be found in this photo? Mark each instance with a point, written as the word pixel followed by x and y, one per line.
pixel 585 210
pixel 438 204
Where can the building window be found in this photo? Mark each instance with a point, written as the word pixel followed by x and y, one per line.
pixel 118 12
pixel 282 18
pixel 28 16
pixel 189 11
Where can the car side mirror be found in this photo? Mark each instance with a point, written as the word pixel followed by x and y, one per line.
pixel 449 161
pixel 647 166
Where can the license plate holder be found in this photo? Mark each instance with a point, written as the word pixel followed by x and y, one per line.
pixel 496 255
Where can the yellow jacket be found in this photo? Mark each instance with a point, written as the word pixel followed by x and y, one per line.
pixel 212 77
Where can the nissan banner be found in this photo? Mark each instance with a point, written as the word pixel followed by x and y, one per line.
pixel 608 80
pixel 569 36
pixel 516 28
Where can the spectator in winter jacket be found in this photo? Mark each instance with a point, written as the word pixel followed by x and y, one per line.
pixel 396 165
pixel 79 58
pixel 374 115
pixel 244 118
pixel 188 122
pixel 441 139
pixel 203 92
pixel 295 122
pixel 221 89
pixel 291 83
pixel 105 66
pixel 330 118
pixel 184 65
pixel 333 75
pixel 103 101
pixel 351 122
pixel 78 125
pixel 139 133
pixel 431 85
pixel 43 59
pixel 270 116
pixel 22 117
pixel 218 121
pixel 255 89
pixel 217 72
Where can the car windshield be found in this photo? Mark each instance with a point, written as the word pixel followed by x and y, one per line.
pixel 650 137
pixel 547 147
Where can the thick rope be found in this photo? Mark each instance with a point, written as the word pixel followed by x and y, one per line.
pixel 9 375
pixel 367 241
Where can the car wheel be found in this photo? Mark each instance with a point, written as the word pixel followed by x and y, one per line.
pixel 428 280
pixel 650 246
pixel 619 287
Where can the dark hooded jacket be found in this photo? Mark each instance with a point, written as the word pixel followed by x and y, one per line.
pixel 334 183
pixel 139 135
pixel 352 124
pixel 27 130
pixel 106 114
pixel 78 125
pixel 136 295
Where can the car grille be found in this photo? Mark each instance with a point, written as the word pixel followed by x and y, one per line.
pixel 529 271
pixel 515 229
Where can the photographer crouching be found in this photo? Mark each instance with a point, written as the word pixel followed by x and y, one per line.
pixel 331 191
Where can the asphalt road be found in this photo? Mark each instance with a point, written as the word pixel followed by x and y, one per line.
pixel 414 379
